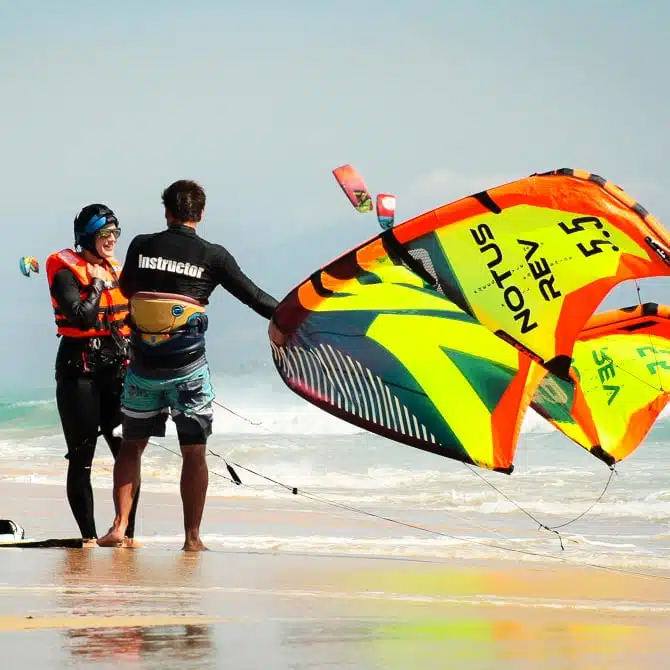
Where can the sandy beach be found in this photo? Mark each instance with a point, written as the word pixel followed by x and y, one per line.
pixel 287 609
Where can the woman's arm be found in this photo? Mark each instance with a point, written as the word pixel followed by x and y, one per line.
pixel 66 291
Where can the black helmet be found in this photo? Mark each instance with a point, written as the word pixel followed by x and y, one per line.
pixel 89 220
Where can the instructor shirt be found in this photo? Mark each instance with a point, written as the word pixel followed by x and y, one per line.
pixel 177 260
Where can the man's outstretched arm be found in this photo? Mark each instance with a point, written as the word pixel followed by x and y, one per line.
pixel 231 277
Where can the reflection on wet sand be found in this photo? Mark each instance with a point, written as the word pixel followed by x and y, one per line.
pixel 103 586
pixel 477 641
pixel 130 585
pixel 158 607
pixel 185 643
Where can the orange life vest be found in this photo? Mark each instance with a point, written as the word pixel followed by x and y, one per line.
pixel 113 306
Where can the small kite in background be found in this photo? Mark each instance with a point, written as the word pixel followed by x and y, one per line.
pixel 386 210
pixel 355 188
pixel 28 264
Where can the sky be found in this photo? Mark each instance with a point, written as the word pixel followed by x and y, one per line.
pixel 258 101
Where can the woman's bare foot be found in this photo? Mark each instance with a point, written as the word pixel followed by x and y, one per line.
pixel 131 543
pixel 88 544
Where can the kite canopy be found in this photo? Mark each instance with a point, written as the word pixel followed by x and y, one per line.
pixel 533 259
pixel 440 331
pixel 622 370
pixel 387 353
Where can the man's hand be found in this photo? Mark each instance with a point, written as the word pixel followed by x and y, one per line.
pixel 276 335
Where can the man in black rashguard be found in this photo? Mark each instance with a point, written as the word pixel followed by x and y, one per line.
pixel 168 278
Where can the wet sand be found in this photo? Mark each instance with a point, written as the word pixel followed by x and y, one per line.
pixel 157 605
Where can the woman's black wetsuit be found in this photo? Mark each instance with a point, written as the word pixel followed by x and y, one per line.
pixel 89 381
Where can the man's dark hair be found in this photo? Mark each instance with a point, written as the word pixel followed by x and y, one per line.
pixel 185 200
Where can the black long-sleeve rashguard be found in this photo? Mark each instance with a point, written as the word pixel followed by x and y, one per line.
pixel 177 260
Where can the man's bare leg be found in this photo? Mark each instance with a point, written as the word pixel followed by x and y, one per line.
pixel 194 482
pixel 127 470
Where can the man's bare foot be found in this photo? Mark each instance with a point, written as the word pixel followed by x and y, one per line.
pixel 88 544
pixel 131 543
pixel 114 538
pixel 194 545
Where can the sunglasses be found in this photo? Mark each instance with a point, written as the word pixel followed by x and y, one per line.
pixel 111 232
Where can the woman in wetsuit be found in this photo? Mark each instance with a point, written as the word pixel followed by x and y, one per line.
pixel 90 313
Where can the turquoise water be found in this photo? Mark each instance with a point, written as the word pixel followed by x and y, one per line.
pixel 29 411
pixel 301 446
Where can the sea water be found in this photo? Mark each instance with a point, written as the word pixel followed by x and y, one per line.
pixel 416 504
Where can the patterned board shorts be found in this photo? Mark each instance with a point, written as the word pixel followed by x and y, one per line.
pixel 146 404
